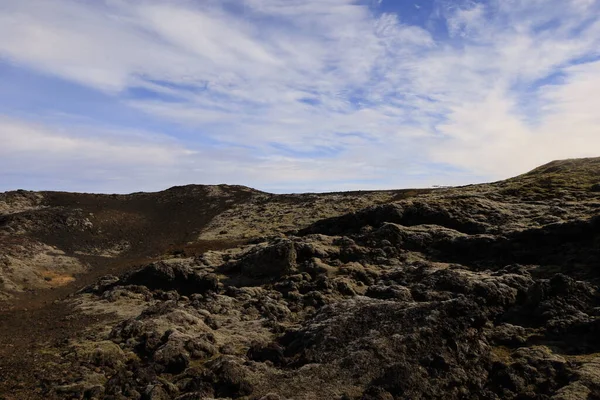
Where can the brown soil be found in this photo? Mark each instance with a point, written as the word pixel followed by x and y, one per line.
pixel 155 225
pixel 35 321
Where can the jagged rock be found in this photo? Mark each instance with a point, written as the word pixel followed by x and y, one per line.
pixel 273 261
pixel 509 335
pixel 105 283
pixel 376 393
pixel 271 396
pixel 230 379
pixel 553 299
pixel 173 357
pixel 345 287
pixel 177 349
pixel 456 216
pixel 173 276
pixel 105 353
pixel 156 392
pixel 534 372
pixel 391 292
pixel 272 352
pixel 222 377
pixel 354 334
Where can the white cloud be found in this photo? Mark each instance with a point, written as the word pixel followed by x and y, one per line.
pixel 290 78
pixel 89 158
pixel 467 21
pixel 42 149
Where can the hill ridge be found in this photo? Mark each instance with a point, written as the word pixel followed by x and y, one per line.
pixel 488 290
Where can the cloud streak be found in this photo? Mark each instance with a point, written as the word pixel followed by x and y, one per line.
pixel 309 95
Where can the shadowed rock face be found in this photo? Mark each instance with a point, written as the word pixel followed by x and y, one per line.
pixel 168 276
pixel 481 292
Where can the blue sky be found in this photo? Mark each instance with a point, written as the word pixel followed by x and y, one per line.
pixel 290 95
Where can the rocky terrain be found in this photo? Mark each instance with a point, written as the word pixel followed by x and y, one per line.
pixel 223 292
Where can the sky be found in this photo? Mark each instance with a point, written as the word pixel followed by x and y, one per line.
pixel 119 96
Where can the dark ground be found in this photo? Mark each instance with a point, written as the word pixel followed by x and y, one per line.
pixel 479 292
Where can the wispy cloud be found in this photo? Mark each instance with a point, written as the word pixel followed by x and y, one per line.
pixel 308 95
